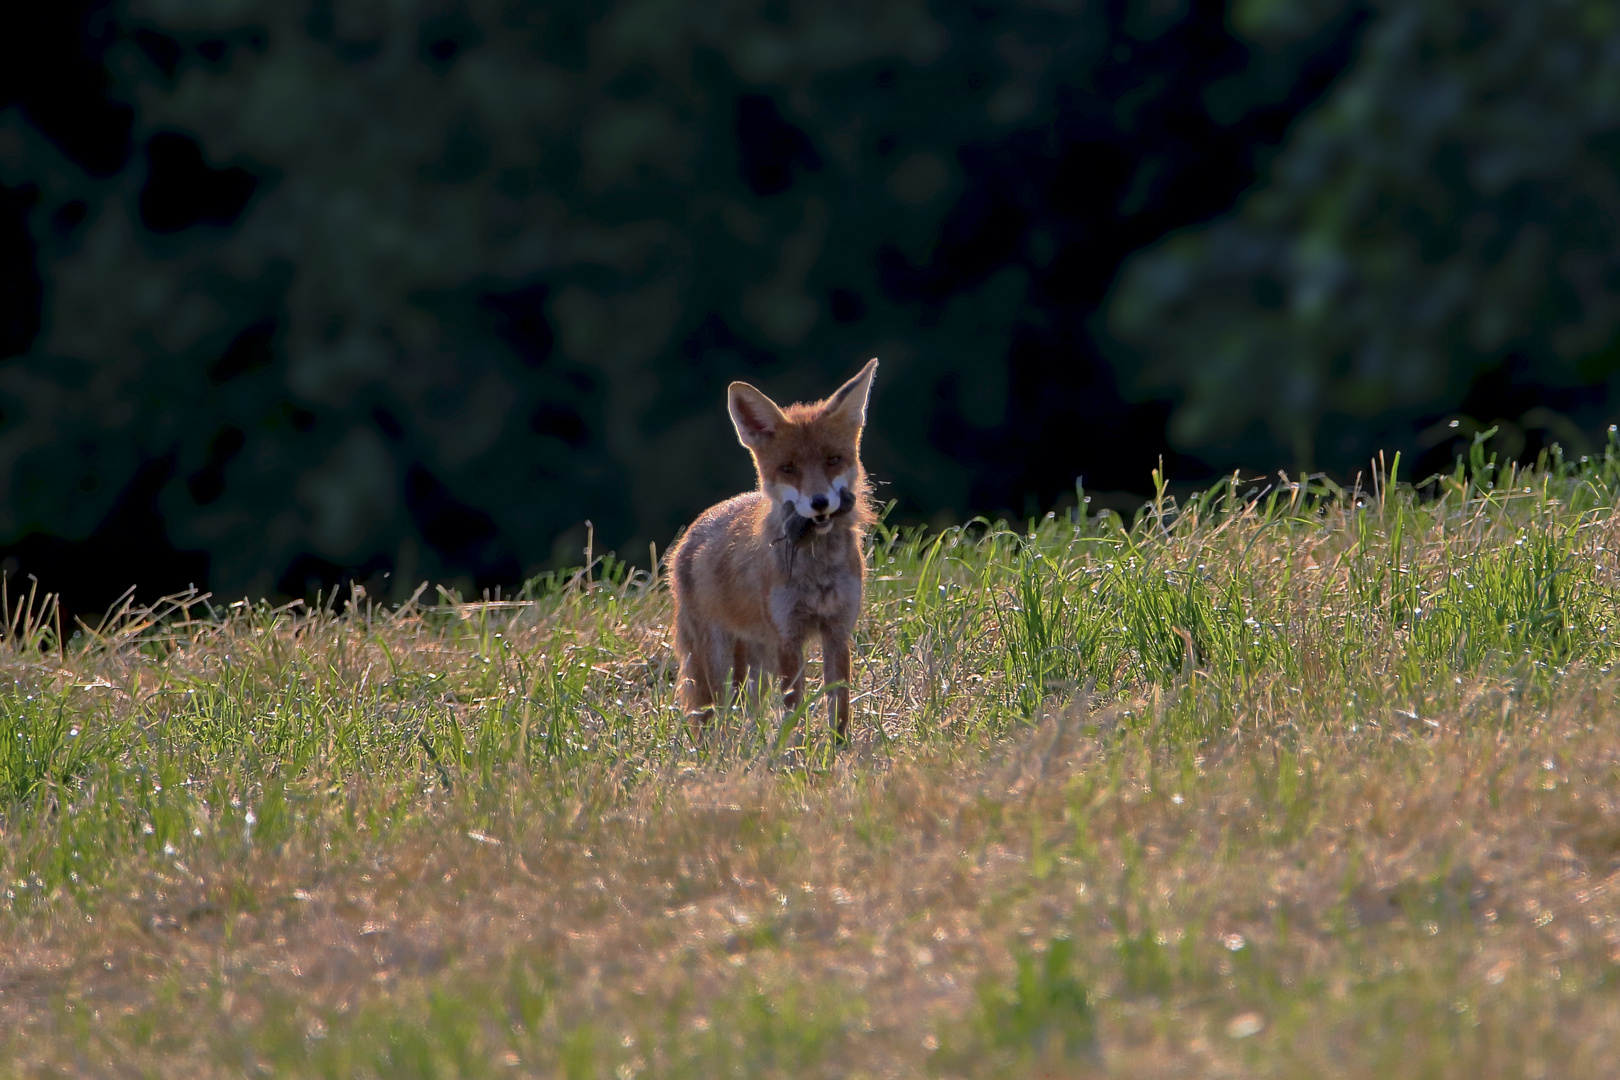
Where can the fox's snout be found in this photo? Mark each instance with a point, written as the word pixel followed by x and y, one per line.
pixel 816 515
pixel 817 506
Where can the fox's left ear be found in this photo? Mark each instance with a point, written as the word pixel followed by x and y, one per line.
pixel 755 416
pixel 849 401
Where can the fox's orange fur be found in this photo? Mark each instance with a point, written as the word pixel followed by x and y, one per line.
pixel 759 575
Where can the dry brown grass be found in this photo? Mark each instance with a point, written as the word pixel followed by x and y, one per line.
pixel 1441 904
pixel 480 844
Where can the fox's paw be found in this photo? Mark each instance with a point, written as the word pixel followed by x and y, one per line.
pixel 699 722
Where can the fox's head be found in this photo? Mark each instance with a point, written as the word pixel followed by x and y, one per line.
pixel 808 456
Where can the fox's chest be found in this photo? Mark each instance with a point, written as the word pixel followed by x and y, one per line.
pixel 812 600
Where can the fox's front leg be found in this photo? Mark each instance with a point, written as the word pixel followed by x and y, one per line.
pixel 790 665
pixel 746 668
pixel 835 670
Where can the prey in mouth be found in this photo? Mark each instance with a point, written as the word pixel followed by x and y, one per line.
pixel 797 528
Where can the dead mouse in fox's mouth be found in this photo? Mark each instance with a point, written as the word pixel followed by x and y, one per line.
pixel 756 577
pixel 795 529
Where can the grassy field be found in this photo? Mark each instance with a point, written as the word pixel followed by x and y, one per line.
pixel 1280 780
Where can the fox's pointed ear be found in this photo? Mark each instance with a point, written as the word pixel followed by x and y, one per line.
pixel 849 401
pixel 755 415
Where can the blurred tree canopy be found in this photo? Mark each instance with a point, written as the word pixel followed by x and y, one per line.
pixel 1441 234
pixel 300 292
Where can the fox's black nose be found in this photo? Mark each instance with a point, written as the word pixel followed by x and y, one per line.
pixel 818 503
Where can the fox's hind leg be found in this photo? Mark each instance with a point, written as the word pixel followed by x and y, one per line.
pixel 703 658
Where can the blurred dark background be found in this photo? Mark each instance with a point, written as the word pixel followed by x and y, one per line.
pixel 301 292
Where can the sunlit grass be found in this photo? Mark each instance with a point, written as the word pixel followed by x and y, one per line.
pixel 1280 779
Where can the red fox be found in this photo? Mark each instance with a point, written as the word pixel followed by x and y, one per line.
pixel 758 575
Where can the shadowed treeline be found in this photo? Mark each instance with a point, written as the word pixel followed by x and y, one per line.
pixel 305 293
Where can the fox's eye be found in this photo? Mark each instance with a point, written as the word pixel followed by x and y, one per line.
pixel 789 470
pixel 833 461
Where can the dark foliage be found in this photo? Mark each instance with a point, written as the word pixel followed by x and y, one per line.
pixel 417 297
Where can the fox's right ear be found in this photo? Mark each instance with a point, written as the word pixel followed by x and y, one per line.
pixel 755 415
pixel 848 402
